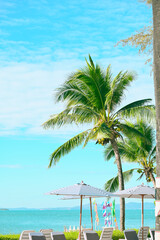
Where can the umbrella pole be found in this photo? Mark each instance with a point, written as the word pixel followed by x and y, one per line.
pixel 91 212
pixel 142 214
pixel 80 218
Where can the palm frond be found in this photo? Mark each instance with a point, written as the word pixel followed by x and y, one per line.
pixel 138 109
pixel 91 64
pixel 101 131
pixel 112 185
pixel 127 152
pixel 143 144
pixel 60 119
pixel 118 86
pixel 129 131
pixel 87 85
pixel 140 177
pixel 108 152
pixel 67 147
pixel 152 154
pixel 85 114
pixel 74 92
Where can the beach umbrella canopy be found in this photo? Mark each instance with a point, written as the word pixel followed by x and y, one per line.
pixel 81 190
pixel 141 192
pixel 138 192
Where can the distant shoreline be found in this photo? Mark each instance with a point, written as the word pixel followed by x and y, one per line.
pixel 129 206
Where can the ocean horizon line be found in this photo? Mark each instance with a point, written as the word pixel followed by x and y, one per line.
pixel 129 206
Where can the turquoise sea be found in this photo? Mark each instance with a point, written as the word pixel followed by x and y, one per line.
pixel 15 221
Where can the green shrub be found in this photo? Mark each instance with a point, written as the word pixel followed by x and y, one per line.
pixel 71 235
pixel 10 237
pixel 117 234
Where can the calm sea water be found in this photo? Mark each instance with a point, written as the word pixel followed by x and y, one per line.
pixel 16 221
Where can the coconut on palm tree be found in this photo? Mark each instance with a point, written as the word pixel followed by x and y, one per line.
pixel 92 96
pixel 138 150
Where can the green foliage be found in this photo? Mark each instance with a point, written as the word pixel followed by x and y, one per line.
pixel 93 96
pixel 136 149
pixel 117 234
pixel 67 147
pixel 10 237
pixel 71 235
pixel 112 185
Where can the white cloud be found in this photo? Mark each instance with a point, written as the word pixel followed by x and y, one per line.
pixel 26 93
pixel 11 166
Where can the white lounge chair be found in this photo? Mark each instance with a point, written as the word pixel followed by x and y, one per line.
pixel 36 236
pixel 25 234
pixel 145 233
pixel 47 233
pixel 106 233
pixel 90 235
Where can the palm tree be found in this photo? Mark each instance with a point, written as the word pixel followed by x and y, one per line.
pixel 92 97
pixel 137 150
pixel 156 51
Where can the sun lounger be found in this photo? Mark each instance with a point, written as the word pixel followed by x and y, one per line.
pixel 152 233
pixel 58 236
pixel 130 235
pixel 47 233
pixel 36 236
pixel 145 233
pixel 90 235
pixel 25 234
pixel 106 233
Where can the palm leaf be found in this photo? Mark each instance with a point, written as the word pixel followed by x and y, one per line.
pixel 140 177
pixel 138 109
pixel 85 114
pixel 134 104
pixel 60 119
pixel 112 185
pixel 153 152
pixel 74 92
pixel 88 85
pixel 118 86
pixel 126 152
pixel 67 147
pixel 108 152
pixel 100 131
pixel 129 131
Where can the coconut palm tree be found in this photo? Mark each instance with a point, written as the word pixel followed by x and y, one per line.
pixel 141 151
pixel 92 96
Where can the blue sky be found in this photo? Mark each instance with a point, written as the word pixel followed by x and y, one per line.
pixel 41 42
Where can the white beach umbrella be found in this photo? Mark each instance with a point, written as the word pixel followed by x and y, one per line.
pixel 141 192
pixel 81 190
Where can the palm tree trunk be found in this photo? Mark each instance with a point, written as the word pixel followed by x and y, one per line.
pixel 152 179
pixel 156 51
pixel 121 183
